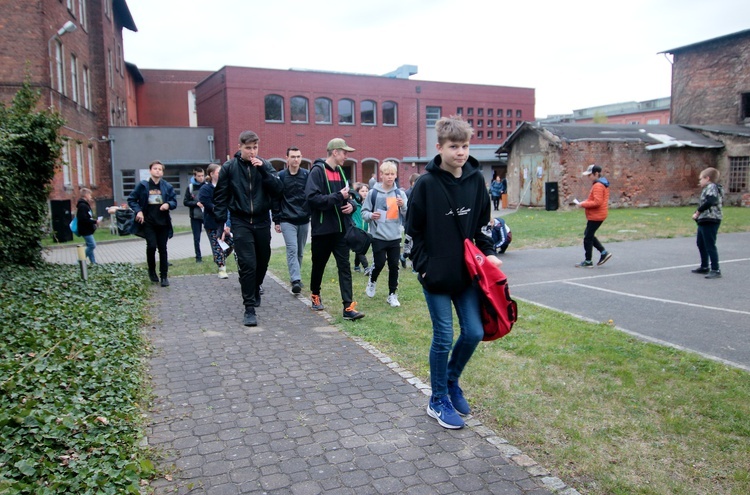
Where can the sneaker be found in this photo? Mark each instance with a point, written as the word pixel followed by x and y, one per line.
pixel 250 320
pixel 317 304
pixel 199 260
pixel 403 261
pixel 223 272
pixel 604 258
pixel 357 269
pixel 393 300
pixel 153 276
pixel 714 274
pixel 351 313
pixel 370 289
pixel 441 409
pixel 368 271
pixel 165 281
pixel 457 399
pixel 585 264
pixel 701 269
pixel 296 287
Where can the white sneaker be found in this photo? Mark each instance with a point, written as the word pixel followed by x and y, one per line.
pixel 370 290
pixel 393 300
pixel 223 272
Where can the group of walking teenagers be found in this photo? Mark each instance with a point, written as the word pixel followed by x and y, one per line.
pixel 245 195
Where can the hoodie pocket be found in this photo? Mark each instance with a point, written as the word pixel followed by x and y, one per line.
pixel 443 275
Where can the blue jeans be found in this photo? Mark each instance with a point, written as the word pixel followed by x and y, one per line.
pixel 90 246
pixel 442 369
pixel 295 238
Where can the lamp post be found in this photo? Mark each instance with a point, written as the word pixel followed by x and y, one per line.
pixel 68 27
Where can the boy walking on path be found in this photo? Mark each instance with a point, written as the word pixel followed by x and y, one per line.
pixel 291 215
pixel 708 217
pixel 453 178
pixel 597 208
pixel 246 186
pixel 383 209
pixel 196 214
pixel 214 230
pixel 331 206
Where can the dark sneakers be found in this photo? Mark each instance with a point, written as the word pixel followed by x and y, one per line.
pixel 604 258
pixel 714 274
pixel 351 313
pixel 702 269
pixel 164 282
pixel 442 409
pixel 585 264
pixel 317 304
pixel 153 276
pixel 296 287
pixel 250 320
pixel 457 399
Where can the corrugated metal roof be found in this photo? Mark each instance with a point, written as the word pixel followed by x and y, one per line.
pixel 734 130
pixel 712 40
pixel 652 136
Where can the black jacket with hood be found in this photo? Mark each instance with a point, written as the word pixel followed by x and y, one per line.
pixel 291 206
pixel 323 192
pixel 438 251
pixel 246 191
pixel 86 220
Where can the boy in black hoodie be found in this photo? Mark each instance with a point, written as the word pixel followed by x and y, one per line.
pixel 331 206
pixel 453 178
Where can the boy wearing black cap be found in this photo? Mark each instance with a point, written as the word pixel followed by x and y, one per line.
pixel 327 192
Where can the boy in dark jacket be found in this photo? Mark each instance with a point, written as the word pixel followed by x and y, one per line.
pixel 87 224
pixel 196 214
pixel 331 206
pixel 437 254
pixel 291 215
pixel 247 184
pixel 708 216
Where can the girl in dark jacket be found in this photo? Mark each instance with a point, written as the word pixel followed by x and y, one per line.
pixel 87 224
pixel 214 230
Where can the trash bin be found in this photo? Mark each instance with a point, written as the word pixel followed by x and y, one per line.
pixel 551 197
pixel 61 217
pixel 124 217
pixel 505 201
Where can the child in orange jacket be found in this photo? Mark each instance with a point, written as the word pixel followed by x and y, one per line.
pixel 596 212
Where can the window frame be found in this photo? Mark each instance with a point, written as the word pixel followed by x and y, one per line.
pixel 299 98
pixel 352 111
pixel 738 179
pixel 328 101
pixel 362 111
pixel 280 104
pixel 383 111
pixel 74 93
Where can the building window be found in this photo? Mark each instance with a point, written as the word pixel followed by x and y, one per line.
pixel 59 67
pixel 85 79
pixel 82 17
pixel 500 123
pixel 346 112
pixel 433 115
pixel 508 124
pixel 390 114
pixel 499 112
pixel 111 113
pixel 509 113
pixel 108 10
pixel 480 122
pixel 66 164
pixel 518 114
pixel 460 111
pixel 489 123
pixel 274 105
pixel 72 7
pixel 367 111
pixel 480 134
pixel 739 174
pixel 499 134
pixel 480 112
pixel 489 134
pixel 518 123
pixel 470 122
pixel 323 109
pixel 470 111
pixel 489 112
pixel 74 78
pixel 92 168
pixel 110 69
pixel 653 122
pixel 299 110
pixel 79 164
pixel 744 107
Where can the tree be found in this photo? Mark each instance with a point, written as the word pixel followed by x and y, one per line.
pixel 30 145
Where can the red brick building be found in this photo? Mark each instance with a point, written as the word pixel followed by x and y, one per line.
pixel 382 117
pixel 72 51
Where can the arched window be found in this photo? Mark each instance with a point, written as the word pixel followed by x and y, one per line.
pixel 390 114
pixel 274 108
pixel 323 107
pixel 299 110
pixel 367 111
pixel 346 112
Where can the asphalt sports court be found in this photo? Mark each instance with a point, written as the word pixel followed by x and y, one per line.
pixel 648 290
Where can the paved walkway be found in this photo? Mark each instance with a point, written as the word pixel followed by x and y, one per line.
pixel 295 406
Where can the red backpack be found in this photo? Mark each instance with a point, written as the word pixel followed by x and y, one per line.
pixel 498 311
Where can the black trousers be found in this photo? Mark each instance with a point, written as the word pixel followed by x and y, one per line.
pixel 156 239
pixel 322 247
pixel 589 239
pixel 252 244
pixel 382 251
pixel 197 226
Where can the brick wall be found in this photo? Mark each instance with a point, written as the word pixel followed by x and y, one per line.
pixel 162 98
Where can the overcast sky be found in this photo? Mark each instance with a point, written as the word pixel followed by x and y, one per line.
pixel 574 53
